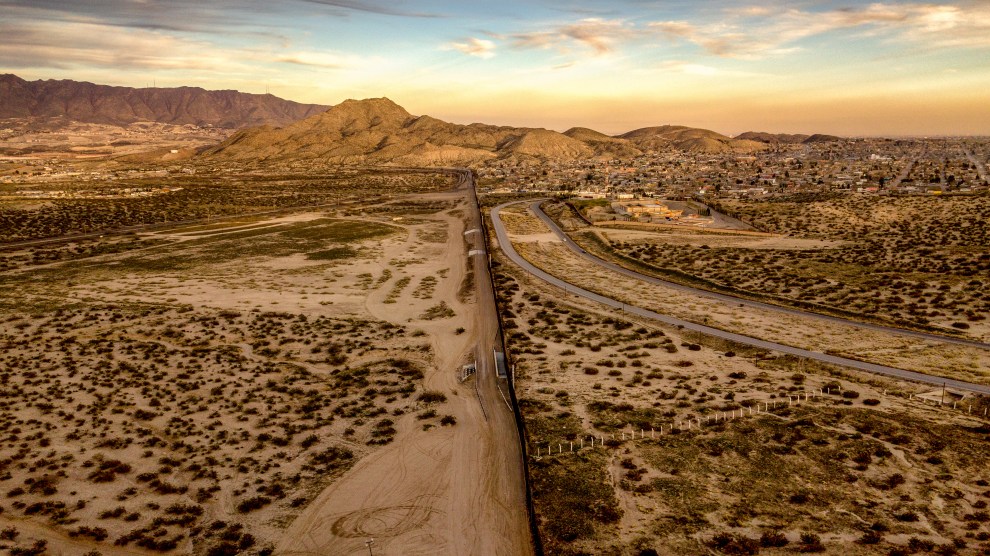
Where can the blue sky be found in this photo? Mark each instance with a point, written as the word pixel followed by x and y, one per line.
pixel 852 68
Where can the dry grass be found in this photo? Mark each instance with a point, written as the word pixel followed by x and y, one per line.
pixel 194 392
pixel 831 472
pixel 941 360
pixel 918 259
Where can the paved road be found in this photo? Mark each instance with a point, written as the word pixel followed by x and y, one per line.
pixel 981 168
pixel 509 250
pixel 904 174
pixel 743 301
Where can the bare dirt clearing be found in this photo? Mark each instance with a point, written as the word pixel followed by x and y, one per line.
pixel 713 240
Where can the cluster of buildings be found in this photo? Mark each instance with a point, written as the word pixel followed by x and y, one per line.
pixel 646 209
pixel 855 166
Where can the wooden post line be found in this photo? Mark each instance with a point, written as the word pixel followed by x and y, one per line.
pixel 690 423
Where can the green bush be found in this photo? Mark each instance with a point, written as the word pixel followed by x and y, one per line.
pixel 253 503
pixel 432 396
pixel 773 539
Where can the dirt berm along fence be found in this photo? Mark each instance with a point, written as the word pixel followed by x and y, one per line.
pixel 520 425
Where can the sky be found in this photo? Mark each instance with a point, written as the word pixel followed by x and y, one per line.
pixel 818 66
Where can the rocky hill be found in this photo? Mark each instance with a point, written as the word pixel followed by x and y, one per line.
pixel 604 145
pixel 822 138
pixel 796 138
pixel 103 104
pixel 688 139
pixel 378 131
pixel 541 142
pixel 764 137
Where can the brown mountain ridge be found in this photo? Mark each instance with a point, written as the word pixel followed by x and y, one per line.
pixel 103 104
pixel 371 131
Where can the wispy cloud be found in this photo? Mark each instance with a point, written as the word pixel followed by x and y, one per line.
pixel 329 60
pixel 81 44
pixel 30 45
pixel 196 15
pixel 680 66
pixel 756 32
pixel 481 48
pixel 600 35
pixel 382 8
pixel 187 16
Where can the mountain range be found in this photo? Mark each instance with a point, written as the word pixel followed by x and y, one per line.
pixel 103 104
pixel 380 131
pixel 370 131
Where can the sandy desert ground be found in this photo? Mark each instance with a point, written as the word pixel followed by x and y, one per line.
pixel 694 462
pixel 24 143
pixel 278 385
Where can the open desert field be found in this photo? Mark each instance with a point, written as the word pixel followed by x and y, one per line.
pixel 28 145
pixel 544 250
pixel 283 383
pixel 703 447
pixel 913 261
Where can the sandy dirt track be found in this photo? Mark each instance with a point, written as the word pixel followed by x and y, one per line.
pixel 454 491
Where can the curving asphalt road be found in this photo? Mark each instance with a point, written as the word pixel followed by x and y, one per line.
pixel 743 301
pixel 509 250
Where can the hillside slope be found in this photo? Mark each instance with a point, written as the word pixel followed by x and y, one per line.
pixel 381 131
pixel 688 139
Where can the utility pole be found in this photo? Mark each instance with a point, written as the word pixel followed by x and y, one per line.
pixel 943 395
pixel 368 543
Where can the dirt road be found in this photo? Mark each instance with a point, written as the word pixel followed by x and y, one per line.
pixel 456 490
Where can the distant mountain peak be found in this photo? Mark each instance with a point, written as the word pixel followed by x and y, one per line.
pixel 104 104
pixel 822 138
pixel 380 102
pixel 764 137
